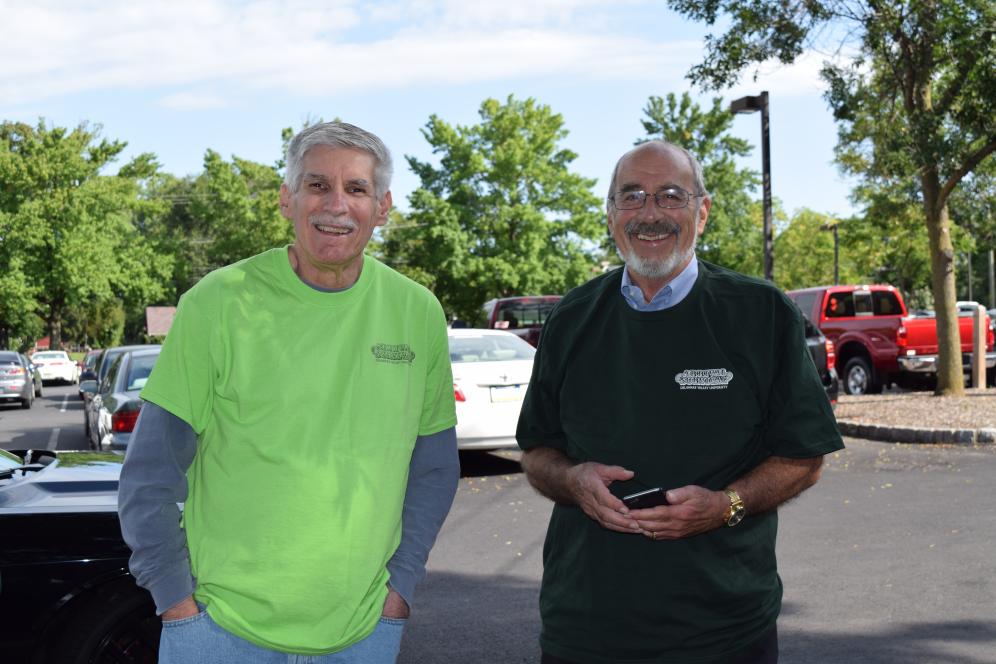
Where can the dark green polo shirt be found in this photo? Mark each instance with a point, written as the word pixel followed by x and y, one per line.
pixel 700 394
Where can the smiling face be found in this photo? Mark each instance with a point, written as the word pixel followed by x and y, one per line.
pixel 334 209
pixel 656 243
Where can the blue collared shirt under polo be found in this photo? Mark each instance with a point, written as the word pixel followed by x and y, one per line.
pixel 667 297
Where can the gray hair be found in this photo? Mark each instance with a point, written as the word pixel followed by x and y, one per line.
pixel 697 178
pixel 339 135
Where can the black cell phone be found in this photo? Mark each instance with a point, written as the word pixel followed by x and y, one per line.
pixel 644 499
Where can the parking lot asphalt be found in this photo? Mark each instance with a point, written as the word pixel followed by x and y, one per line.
pixel 890 558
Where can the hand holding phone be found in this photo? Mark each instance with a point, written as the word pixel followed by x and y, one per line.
pixel 644 499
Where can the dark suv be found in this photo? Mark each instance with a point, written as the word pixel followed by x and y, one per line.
pixel 825 358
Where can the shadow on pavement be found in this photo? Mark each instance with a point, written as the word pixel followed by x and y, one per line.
pixel 924 643
pixel 495 620
pixel 460 618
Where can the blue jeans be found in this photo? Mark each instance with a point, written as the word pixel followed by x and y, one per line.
pixel 199 640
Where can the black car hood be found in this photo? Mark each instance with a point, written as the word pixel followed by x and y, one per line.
pixel 62 482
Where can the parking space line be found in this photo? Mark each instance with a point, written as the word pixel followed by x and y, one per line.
pixel 65 402
pixel 53 439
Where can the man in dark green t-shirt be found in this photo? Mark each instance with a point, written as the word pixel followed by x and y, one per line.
pixel 677 374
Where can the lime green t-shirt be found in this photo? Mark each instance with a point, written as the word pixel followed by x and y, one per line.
pixel 306 405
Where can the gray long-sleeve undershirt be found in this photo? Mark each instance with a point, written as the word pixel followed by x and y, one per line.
pixel 154 480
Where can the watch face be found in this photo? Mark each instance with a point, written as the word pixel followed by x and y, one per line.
pixel 736 517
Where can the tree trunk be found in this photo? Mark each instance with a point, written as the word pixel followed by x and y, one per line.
pixel 950 381
pixel 55 326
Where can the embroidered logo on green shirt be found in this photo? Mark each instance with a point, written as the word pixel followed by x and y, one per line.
pixel 395 353
pixel 704 379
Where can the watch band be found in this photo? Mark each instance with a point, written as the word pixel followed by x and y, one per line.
pixel 735 514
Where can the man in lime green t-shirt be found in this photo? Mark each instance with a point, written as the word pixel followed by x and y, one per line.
pixel 689 389
pixel 302 410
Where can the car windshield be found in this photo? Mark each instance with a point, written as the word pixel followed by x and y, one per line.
pixel 8 358
pixel 109 358
pixel 490 348
pixel 139 370
pixel 51 355
pixel 523 314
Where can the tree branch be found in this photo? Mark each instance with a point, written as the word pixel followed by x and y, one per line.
pixel 969 164
pixel 961 74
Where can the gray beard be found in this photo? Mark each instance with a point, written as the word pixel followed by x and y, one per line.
pixel 658 269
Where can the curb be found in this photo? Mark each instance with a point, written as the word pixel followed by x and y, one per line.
pixel 920 435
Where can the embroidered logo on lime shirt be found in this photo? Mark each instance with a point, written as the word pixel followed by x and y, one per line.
pixel 394 353
pixel 704 379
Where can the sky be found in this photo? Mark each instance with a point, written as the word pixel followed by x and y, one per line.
pixel 180 77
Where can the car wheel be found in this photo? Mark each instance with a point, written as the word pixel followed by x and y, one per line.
pixel 859 378
pixel 117 625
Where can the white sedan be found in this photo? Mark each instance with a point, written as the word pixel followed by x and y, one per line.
pixel 56 365
pixel 491 372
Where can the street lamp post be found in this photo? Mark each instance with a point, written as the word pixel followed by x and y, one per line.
pixel 749 105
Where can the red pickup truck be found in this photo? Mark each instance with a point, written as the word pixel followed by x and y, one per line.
pixel 877 341
pixel 523 316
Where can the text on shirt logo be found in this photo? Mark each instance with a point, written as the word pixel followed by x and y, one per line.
pixel 394 353
pixel 704 379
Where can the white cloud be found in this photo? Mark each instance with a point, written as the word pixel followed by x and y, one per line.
pixel 178 49
pixel 54 48
pixel 800 79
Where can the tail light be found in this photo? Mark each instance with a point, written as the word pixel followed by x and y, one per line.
pixel 124 421
pixel 458 393
pixel 901 339
pixel 831 355
pixel 15 371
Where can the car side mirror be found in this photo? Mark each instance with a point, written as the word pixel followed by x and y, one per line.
pixel 88 386
pixel 89 374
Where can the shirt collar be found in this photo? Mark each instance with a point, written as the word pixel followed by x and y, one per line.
pixel 668 296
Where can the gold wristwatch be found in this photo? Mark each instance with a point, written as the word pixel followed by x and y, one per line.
pixel 735 514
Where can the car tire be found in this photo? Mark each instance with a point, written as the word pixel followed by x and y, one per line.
pixel 859 378
pixel 117 624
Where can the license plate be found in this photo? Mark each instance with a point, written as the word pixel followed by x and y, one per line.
pixel 500 393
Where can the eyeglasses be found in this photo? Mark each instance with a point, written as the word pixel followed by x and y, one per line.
pixel 669 198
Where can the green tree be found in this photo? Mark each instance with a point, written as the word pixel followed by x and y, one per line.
pixel 804 254
pixel 177 232
pixel 19 325
pixel 973 209
pixel 235 210
pixel 69 227
pixel 502 214
pixel 918 104
pixel 733 235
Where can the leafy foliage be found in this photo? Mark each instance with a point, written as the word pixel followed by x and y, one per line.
pixel 916 108
pixel 67 229
pixel 237 206
pixel 501 214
